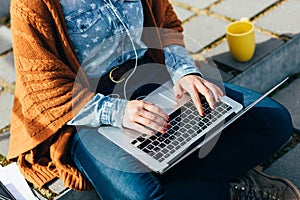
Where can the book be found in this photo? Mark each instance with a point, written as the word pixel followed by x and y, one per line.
pixel 4 193
pixel 14 182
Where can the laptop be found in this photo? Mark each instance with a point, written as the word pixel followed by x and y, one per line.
pixel 189 131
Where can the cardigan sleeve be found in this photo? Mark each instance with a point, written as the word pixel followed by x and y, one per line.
pixel 179 63
pixel 49 91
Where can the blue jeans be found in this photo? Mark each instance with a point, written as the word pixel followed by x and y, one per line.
pixel 246 143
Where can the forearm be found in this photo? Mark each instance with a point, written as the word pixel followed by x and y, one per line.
pixel 179 63
pixel 101 110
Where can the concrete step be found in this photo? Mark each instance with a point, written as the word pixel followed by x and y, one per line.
pixel 4 143
pixel 290 98
pixel 5 39
pixel 287 166
pixel 4 8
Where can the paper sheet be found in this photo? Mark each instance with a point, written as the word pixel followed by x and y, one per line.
pixel 11 177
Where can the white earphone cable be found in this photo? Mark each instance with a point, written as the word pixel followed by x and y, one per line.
pixel 132 43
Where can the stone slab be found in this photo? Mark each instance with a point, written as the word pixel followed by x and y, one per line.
pixel 4 143
pixel 197 3
pixel 282 20
pixel 264 45
pixel 202 31
pixel 6 104
pixel 76 195
pixel 4 7
pixel 237 9
pixel 57 186
pixel 287 166
pixel 183 14
pixel 5 39
pixel 290 98
pixel 271 69
pixel 7 70
pixel 68 194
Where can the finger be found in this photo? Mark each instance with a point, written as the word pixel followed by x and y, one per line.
pixel 194 94
pixel 156 110
pixel 142 129
pixel 206 92
pixel 154 118
pixel 220 92
pixel 150 124
pixel 196 99
pixel 216 91
pixel 178 90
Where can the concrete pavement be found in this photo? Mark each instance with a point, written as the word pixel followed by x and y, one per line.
pixel 277 55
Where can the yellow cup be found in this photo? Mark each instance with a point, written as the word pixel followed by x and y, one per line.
pixel 241 39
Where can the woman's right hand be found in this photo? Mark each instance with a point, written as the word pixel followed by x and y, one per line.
pixel 145 117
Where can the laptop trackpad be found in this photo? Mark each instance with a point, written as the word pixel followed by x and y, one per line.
pixel 164 97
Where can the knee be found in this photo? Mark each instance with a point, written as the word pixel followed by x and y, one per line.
pixel 286 121
pixel 137 186
pixel 155 192
pixel 145 187
pixel 282 117
pixel 272 109
pixel 279 122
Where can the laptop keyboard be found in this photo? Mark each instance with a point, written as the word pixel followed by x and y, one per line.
pixel 186 124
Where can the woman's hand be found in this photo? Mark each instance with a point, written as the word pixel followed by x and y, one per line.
pixel 194 85
pixel 145 117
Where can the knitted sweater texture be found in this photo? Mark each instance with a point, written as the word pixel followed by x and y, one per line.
pixel 51 88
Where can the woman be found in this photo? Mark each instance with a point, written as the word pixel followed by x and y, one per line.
pixel 66 50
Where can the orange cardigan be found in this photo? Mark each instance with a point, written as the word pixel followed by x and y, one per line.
pixel 51 88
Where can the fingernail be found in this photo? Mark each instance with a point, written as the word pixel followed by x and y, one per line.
pixel 168 119
pixel 164 130
pixel 152 133
pixel 168 126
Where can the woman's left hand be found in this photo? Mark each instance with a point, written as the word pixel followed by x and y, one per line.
pixel 194 85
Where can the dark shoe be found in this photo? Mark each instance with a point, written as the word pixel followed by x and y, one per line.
pixel 257 185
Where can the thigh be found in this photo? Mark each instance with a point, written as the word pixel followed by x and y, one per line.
pixel 113 172
pixel 117 175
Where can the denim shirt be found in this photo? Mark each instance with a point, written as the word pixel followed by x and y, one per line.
pixel 98 33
